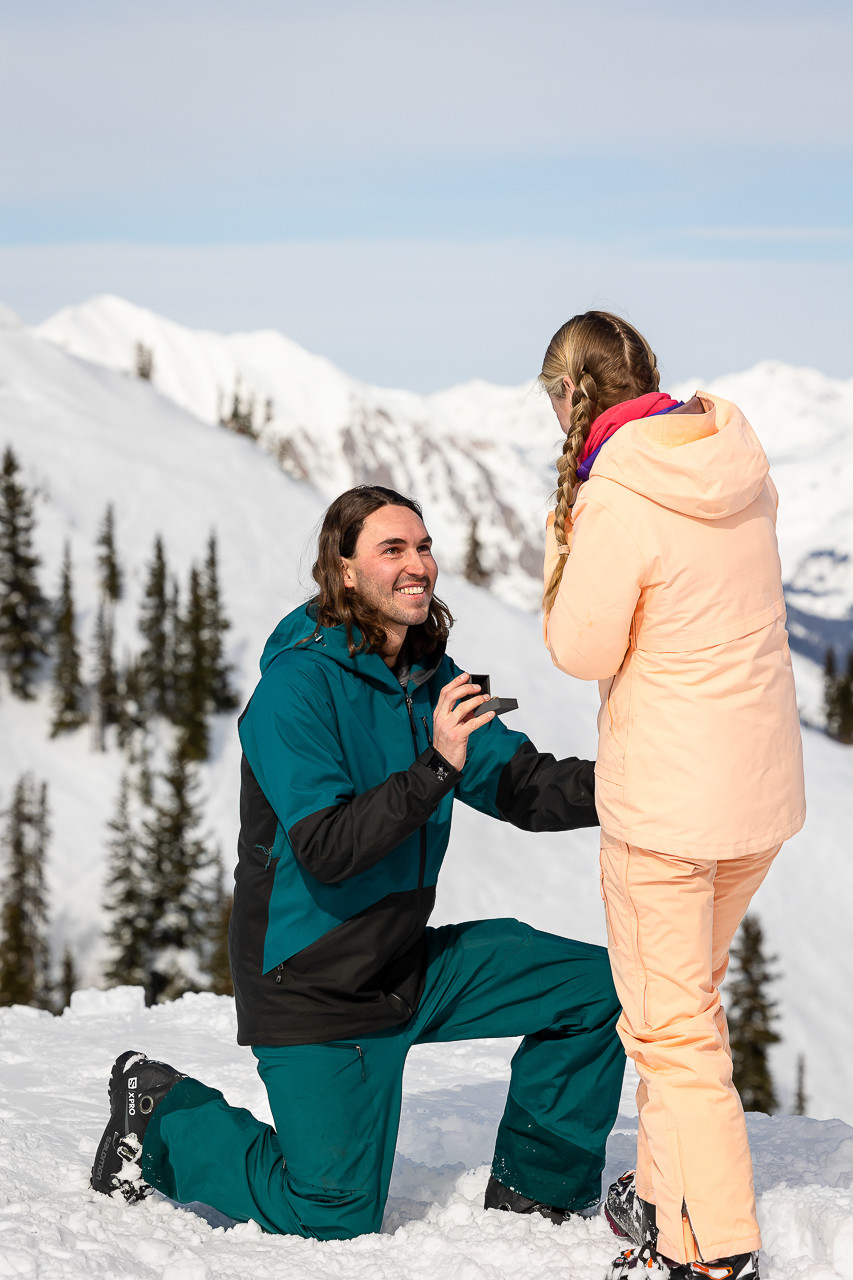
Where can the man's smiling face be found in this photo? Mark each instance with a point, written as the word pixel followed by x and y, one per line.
pixel 393 569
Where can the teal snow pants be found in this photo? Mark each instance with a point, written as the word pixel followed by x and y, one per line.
pixel 325 1168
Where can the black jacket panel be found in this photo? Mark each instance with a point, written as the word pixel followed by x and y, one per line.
pixel 346 839
pixel 536 792
pixel 365 975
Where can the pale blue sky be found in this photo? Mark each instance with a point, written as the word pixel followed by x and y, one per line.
pixel 424 191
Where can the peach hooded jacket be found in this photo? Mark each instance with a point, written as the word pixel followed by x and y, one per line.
pixel 672 599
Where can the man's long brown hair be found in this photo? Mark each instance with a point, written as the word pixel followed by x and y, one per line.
pixel 336 605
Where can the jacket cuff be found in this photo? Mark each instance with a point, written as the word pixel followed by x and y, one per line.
pixel 445 774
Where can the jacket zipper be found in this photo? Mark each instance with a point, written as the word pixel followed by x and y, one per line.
pixel 422 869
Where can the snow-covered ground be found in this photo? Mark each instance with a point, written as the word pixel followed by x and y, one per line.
pixel 52 1224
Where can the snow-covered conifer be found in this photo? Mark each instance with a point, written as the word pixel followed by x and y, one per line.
pixel 105 690
pixel 112 585
pixel 24 951
pixel 24 611
pixel 221 983
pixel 69 692
pixel 183 885
pixel 126 899
pixel 222 693
pixel 68 981
pixel 217 965
pixel 131 702
pixel 192 684
pixel 751 1015
pixel 143 362
pixel 156 658
pixel 241 419
pixel 474 570
pixel 801 1101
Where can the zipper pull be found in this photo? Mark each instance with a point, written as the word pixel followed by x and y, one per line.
pixel 426 729
pixel 361 1055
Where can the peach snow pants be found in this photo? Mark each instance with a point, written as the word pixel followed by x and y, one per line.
pixel 670 923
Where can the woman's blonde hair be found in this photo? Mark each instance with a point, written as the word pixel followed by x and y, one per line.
pixel 608 361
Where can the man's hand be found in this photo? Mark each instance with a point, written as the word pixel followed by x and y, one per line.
pixel 453 721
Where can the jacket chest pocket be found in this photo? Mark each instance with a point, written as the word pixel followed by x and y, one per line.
pixel 614 721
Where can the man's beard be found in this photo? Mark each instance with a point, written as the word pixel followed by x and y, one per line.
pixel 390 609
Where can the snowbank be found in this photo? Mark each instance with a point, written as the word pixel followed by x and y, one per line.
pixel 52 1224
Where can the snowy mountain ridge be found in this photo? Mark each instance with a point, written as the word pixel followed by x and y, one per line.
pixel 487 452
pixel 334 431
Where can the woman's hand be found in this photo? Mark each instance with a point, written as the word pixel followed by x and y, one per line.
pixel 453 721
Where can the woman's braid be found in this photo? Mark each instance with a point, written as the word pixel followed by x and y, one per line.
pixel 608 362
pixel 584 402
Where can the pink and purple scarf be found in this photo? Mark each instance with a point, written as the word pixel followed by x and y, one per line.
pixel 609 422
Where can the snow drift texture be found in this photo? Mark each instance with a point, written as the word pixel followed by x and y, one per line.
pixel 54 1074
pixel 88 434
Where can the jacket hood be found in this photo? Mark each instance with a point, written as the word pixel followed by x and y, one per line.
pixel 708 465
pixel 296 626
pixel 299 629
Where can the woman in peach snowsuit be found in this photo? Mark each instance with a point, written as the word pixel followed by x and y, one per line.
pixel 663 582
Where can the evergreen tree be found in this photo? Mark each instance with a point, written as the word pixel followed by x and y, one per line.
pixel 241 419
pixel 112 586
pixel 221 983
pixel 107 710
pixel 751 1015
pixel 69 980
pixel 131 702
pixel 157 657
pixel 174 641
pixel 223 695
pixel 192 688
pixel 474 570
pixel 143 362
pixel 24 953
pixel 838 698
pixel 801 1101
pixel 126 899
pixel 218 966
pixel 182 886
pixel 24 611
pixel 69 692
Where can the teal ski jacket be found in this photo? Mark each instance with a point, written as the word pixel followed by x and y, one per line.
pixel 345 819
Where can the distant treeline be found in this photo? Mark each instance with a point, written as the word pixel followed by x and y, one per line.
pixel 166 908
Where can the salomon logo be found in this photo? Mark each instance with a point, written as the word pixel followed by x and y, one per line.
pixel 131 1084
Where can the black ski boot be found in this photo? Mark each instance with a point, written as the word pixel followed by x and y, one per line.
pixel 623 1208
pixel 500 1197
pixel 136 1086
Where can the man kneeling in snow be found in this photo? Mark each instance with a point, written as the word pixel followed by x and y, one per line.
pixel 356 742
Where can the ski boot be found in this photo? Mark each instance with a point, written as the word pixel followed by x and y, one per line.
pixel 651 1265
pixel 636 1219
pixel 623 1208
pixel 136 1085
pixel 500 1197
